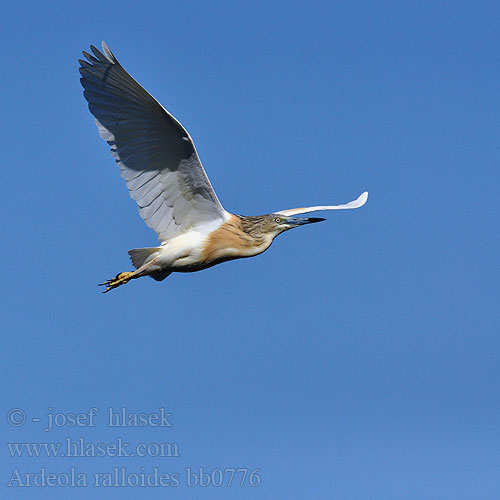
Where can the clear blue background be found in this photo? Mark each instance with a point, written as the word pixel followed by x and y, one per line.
pixel 357 358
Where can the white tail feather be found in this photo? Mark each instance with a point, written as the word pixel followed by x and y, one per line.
pixel 139 256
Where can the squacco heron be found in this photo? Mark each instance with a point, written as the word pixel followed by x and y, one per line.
pixel 164 175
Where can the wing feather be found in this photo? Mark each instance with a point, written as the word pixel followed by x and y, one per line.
pixel 358 202
pixel 156 155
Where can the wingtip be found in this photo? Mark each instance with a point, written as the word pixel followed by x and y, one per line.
pixel 107 52
pixel 363 198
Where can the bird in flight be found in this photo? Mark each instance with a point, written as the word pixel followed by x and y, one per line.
pixel 164 175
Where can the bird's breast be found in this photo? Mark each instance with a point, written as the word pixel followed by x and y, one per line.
pixel 229 242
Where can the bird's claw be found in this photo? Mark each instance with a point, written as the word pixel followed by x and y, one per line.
pixel 119 279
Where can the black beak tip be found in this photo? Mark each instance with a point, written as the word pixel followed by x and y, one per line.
pixel 316 219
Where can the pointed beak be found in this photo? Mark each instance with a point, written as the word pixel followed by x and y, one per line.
pixel 299 221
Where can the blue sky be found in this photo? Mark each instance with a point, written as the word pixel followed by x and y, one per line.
pixel 357 358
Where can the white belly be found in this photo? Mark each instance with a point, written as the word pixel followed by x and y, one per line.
pixel 184 251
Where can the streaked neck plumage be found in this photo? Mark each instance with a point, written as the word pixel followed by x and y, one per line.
pixel 240 236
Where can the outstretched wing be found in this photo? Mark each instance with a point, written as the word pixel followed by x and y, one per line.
pixel 359 202
pixel 156 155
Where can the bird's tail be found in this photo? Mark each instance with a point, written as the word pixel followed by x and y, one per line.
pixel 118 280
pixel 141 256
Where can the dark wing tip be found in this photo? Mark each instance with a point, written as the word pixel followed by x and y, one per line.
pixel 107 51
pixel 97 59
pixel 106 56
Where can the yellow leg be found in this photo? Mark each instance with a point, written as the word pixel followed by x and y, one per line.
pixel 118 280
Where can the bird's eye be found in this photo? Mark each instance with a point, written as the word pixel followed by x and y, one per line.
pixel 277 220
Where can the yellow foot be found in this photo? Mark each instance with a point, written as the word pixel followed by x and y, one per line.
pixel 119 279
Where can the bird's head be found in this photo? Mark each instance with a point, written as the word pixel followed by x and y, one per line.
pixel 264 228
pixel 273 224
pixel 281 223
